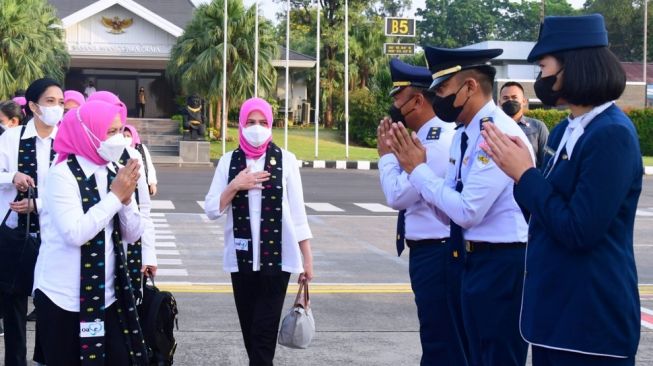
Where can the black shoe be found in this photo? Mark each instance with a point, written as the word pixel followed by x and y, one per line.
pixel 31 317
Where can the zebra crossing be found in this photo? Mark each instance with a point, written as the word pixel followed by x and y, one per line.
pixel 168 255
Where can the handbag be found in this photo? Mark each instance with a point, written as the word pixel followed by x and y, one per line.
pixel 18 253
pixel 298 326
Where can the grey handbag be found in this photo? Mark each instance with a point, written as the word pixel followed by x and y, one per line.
pixel 298 326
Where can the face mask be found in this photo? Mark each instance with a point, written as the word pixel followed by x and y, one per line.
pixel 396 115
pixel 50 115
pixel 129 140
pixel 256 135
pixel 511 107
pixel 444 108
pixel 112 148
pixel 544 89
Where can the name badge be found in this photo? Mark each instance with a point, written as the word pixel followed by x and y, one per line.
pixel 91 329
pixel 242 244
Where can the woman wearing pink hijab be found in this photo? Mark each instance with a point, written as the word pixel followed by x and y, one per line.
pixel 109 97
pixel 82 289
pixel 267 235
pixel 134 140
pixel 73 99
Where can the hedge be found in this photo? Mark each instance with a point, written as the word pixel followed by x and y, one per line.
pixel 642 119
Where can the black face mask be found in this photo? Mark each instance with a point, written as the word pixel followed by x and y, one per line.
pixel 396 115
pixel 544 89
pixel 444 108
pixel 511 107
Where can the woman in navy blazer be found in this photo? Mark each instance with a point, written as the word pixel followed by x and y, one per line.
pixel 580 301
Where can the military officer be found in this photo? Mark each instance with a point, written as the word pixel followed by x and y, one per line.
pixel 421 226
pixel 478 197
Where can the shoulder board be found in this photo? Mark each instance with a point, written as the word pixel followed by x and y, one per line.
pixel 434 133
pixel 485 119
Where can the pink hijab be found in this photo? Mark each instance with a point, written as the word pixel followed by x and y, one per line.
pixel 22 102
pixel 110 98
pixel 136 139
pixel 251 105
pixel 72 137
pixel 75 96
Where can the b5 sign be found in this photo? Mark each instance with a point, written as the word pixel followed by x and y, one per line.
pixel 399 27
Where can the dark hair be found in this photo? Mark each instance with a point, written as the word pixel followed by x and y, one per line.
pixel 484 76
pixel 11 109
pixel 19 93
pixel 511 83
pixel 591 76
pixel 428 95
pixel 36 90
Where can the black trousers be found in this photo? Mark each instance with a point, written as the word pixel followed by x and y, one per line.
pixel 58 333
pixel 14 312
pixel 141 110
pixel 551 357
pixel 259 302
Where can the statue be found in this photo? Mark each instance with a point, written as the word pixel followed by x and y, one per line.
pixel 194 117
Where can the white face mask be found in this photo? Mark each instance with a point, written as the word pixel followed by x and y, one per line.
pixel 112 148
pixel 257 135
pixel 129 140
pixel 50 115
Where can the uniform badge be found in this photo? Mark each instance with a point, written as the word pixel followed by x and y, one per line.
pixel 483 158
pixel 486 119
pixel 434 133
pixel 452 161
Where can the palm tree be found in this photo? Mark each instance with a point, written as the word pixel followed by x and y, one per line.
pixel 31 44
pixel 196 59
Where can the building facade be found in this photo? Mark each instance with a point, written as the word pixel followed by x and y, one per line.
pixel 122 45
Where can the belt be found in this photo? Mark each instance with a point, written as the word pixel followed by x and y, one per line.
pixel 419 243
pixel 477 246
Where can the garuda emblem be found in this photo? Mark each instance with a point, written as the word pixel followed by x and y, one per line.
pixel 117 25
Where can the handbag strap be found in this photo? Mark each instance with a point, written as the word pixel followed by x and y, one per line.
pixel 303 301
pixel 30 197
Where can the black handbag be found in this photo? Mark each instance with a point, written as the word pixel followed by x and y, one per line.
pixel 158 316
pixel 18 253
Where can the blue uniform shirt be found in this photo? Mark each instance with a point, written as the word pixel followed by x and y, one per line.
pixel 580 288
pixel 486 209
pixel 423 220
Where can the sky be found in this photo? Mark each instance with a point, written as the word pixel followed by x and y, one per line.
pixel 269 8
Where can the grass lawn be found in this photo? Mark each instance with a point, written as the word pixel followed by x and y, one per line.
pixel 301 142
pixel 648 160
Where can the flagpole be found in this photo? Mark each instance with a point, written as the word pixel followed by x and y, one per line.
pixel 256 53
pixel 285 128
pixel 347 79
pixel 224 81
pixel 317 81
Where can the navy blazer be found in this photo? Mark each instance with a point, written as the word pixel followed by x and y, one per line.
pixel 580 285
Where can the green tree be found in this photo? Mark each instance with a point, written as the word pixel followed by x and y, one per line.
pixel 31 44
pixel 624 20
pixel 196 59
pixel 457 23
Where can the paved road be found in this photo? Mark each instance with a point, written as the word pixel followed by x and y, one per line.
pixel 361 298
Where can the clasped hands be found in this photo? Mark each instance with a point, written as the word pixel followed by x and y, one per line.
pixel 394 138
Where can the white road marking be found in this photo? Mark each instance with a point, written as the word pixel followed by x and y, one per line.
pixel 323 207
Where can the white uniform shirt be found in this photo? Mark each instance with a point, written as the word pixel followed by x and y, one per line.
pixel 486 209
pixel 66 228
pixel 148 241
pixel 294 221
pixel 423 220
pixel 9 143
